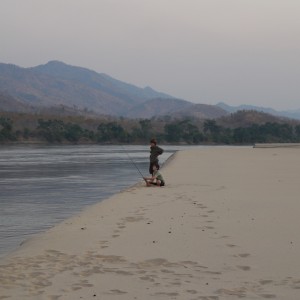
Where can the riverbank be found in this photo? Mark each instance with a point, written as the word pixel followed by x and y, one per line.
pixel 43 185
pixel 224 227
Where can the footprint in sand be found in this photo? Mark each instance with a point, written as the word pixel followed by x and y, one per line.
pixel 52 297
pixel 268 296
pixel 244 268
pixel 133 219
pixel 265 281
pixel 243 255
pixel 117 292
pixel 103 244
pixel 192 292
pixel 209 227
pixel 231 245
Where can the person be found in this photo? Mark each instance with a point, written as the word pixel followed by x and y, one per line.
pixel 156 179
pixel 155 151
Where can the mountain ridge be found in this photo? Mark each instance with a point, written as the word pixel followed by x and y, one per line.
pixel 58 85
pixel 292 114
pixel 64 88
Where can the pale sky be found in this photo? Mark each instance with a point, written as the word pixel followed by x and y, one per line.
pixel 203 51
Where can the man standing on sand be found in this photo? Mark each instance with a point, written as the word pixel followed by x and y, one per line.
pixel 155 151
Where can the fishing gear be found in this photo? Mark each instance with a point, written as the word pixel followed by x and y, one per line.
pixel 133 162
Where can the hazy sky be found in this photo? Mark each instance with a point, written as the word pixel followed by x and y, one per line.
pixel 204 51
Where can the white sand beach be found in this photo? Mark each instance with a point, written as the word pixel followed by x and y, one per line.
pixel 225 226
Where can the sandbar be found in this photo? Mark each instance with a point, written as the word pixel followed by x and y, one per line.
pixel 225 226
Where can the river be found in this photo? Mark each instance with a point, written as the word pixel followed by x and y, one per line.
pixel 41 186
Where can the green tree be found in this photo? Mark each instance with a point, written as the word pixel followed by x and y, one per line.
pixel 6 129
pixel 73 132
pixel 183 131
pixel 297 133
pixel 210 126
pixel 146 129
pixel 173 132
pixel 212 130
pixel 109 132
pixel 51 130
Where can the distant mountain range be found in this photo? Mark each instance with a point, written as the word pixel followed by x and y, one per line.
pixel 59 87
pixel 56 84
pixel 292 114
pixel 62 89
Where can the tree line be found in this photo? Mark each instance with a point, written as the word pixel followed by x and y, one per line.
pixel 174 132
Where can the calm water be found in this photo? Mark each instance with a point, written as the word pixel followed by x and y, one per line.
pixel 43 185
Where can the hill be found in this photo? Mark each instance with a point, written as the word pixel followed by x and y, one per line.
pixel 63 89
pixel 158 107
pixel 58 88
pixel 246 118
pixel 201 111
pixel 175 109
pixel 292 114
pixel 56 84
pixel 10 104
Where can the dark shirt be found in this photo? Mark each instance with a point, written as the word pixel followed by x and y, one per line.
pixel 154 152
